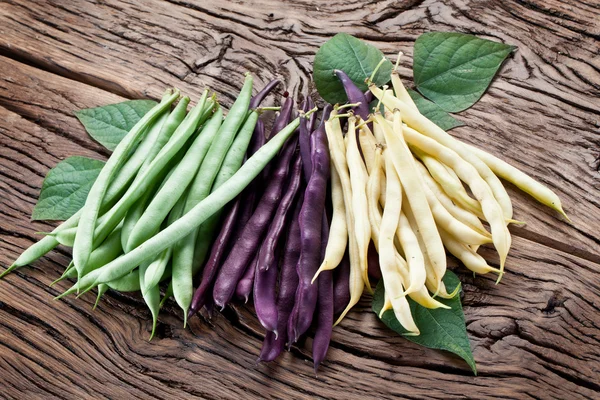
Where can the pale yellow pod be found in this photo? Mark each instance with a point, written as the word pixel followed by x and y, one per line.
pixel 374 194
pixel 378 132
pixel 422 296
pixel 392 280
pixel 467 173
pixel 338 157
pixel 535 189
pixel 338 231
pixel 457 212
pixel 422 124
pixel 358 180
pixel 367 147
pixel 431 282
pixel 401 92
pixel 387 304
pixel 404 163
pixel 450 183
pixel 446 221
pixel 466 254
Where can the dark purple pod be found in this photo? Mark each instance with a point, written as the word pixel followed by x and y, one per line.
pixel 214 261
pixel 311 217
pixel 304 141
pixel 373 262
pixel 246 283
pixel 324 310
pixel 341 285
pixel 288 283
pixel 265 295
pixel 260 96
pixel 247 245
pixel 271 241
pixel 324 318
pixel 355 95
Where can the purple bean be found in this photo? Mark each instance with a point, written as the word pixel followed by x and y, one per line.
pixel 265 281
pixel 288 282
pixel 265 294
pixel 284 117
pixel 310 217
pixel 355 95
pixel 373 262
pixel 324 316
pixel 341 285
pixel 248 243
pixel 312 120
pixel 267 249
pixel 214 261
pixel 246 283
pixel 368 96
pixel 258 138
pixel 304 140
pixel 324 310
pixel 260 96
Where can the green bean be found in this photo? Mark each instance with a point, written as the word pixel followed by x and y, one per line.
pixel 155 270
pixel 168 294
pixel 83 246
pixel 127 283
pixel 148 177
pixel 195 217
pixel 106 252
pixel 224 158
pixel 151 296
pixel 102 288
pixel 167 130
pixel 40 248
pixel 133 164
pixel 173 188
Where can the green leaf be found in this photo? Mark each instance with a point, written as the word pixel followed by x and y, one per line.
pixel 434 112
pixel 454 69
pixel 108 124
pixel 440 328
pixel 353 56
pixel 66 187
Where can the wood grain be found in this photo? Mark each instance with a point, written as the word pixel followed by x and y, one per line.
pixel 536 335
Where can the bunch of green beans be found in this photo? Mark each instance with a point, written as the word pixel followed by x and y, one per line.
pixel 151 214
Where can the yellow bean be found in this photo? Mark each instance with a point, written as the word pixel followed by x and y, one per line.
pixel 367 147
pixel 404 163
pixel 521 180
pixel 401 92
pixel 431 282
pixel 446 221
pixel 457 212
pixel 450 183
pixel 422 296
pixel 392 279
pixel 414 255
pixel 338 232
pixel 423 125
pixel 338 157
pixel 466 254
pixel 387 304
pixel 358 180
pixel 467 173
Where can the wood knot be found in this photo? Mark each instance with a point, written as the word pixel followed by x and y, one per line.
pixel 556 300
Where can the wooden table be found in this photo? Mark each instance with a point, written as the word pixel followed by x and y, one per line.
pixel 536 335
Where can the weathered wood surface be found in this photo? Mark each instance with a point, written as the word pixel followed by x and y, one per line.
pixel 536 335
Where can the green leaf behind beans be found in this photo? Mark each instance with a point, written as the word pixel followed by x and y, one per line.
pixel 440 328
pixel 109 124
pixel 66 187
pixel 454 69
pixel 434 112
pixel 353 56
